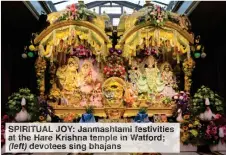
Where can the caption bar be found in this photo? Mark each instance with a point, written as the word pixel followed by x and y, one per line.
pixel 93 137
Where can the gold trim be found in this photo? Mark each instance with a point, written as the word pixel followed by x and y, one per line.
pixel 106 112
pixel 86 24
pixel 168 24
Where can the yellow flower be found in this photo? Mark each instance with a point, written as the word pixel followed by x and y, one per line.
pixel 78 32
pixel 198 47
pixel 31 48
pixel 109 46
pixel 196 123
pixel 194 133
pixel 41 118
pixel 117 47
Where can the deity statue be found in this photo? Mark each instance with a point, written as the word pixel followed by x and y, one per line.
pixel 87 77
pixel 113 91
pixel 168 79
pixel 142 84
pixel 96 96
pixel 134 74
pixel 130 96
pixel 154 81
pixel 71 80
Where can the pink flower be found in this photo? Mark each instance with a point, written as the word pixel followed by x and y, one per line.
pixel 208 131
pixel 214 130
pixel 217 116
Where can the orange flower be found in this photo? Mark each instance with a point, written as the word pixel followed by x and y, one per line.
pixel 41 118
pixel 190 125
pixel 185 128
pixel 186 116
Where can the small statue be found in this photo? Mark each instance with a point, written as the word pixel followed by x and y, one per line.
pixel 71 80
pixel 169 82
pixel 154 81
pixel 87 76
pixel 96 96
pixel 130 96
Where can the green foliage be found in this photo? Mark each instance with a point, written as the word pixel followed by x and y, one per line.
pixel 143 110
pixel 14 103
pixel 89 109
pixel 198 104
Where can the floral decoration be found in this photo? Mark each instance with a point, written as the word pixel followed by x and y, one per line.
pixel 198 104
pixel 211 134
pixel 81 52
pixel 14 103
pixel 155 14
pixel 188 67
pixel 77 12
pixel 190 130
pixel 182 100
pixel 45 110
pixel 5 119
pixel 114 67
pixel 40 74
pixel 69 117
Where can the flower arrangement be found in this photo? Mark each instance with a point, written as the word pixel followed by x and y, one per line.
pixel 81 52
pixel 77 12
pixel 69 117
pixel 215 101
pixel 190 130
pixel 45 110
pixel 14 103
pixel 114 67
pixel 211 134
pixel 182 100
pixel 155 14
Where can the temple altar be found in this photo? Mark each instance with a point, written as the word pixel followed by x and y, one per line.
pixel 116 80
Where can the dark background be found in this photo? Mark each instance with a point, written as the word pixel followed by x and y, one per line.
pixel 208 20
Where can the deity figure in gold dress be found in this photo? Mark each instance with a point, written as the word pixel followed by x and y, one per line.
pixel 168 79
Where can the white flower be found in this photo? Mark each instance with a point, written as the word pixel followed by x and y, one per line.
pixel 157 21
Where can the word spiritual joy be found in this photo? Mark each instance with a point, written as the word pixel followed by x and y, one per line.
pixel 63 128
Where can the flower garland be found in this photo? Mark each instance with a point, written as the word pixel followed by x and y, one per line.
pixel 198 104
pixel 14 103
pixel 155 14
pixel 188 67
pixel 114 67
pixel 40 67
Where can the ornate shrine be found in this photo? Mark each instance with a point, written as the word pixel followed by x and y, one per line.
pixel 78 66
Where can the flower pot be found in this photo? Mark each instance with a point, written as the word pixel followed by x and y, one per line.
pixel 187 148
pixel 218 147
